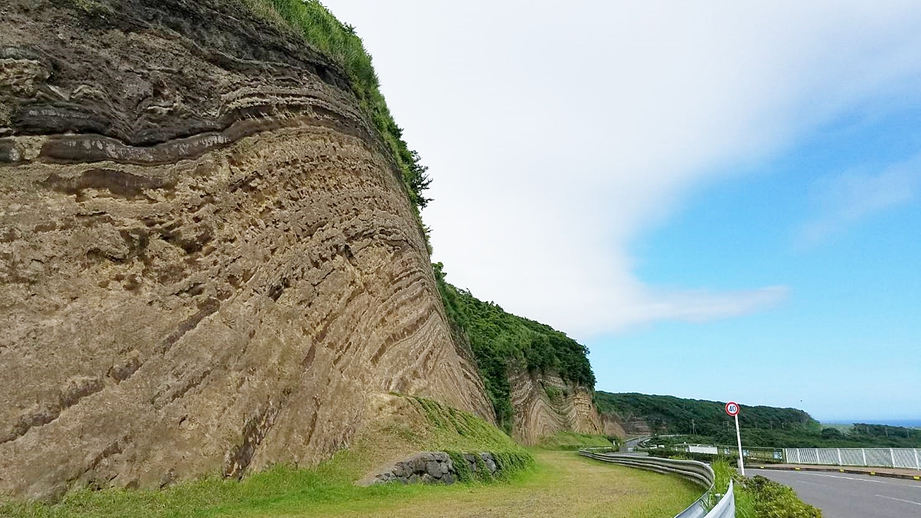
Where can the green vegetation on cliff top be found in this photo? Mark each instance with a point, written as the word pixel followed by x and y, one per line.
pixel 501 342
pixel 706 421
pixel 338 41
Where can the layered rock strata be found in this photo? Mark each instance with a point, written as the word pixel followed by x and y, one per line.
pixel 545 405
pixel 208 261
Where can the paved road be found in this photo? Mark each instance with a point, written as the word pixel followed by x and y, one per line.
pixel 842 495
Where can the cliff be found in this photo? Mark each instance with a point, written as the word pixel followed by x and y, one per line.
pixel 546 405
pixel 209 257
pixel 538 379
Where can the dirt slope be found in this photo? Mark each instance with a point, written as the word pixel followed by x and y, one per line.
pixel 207 262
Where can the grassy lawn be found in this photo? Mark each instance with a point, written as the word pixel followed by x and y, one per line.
pixel 554 483
pixel 559 484
pixel 573 441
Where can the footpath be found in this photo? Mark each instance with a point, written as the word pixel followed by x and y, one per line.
pixel 910 474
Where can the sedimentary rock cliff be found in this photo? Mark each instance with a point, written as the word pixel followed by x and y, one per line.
pixel 545 405
pixel 208 260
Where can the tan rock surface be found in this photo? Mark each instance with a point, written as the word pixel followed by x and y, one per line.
pixel 208 264
pixel 546 405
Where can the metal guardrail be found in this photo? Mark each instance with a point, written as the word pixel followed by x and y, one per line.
pixel 697 472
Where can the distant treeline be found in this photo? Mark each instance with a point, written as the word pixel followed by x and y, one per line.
pixel 707 422
pixel 501 341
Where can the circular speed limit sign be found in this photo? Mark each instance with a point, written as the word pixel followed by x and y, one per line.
pixel 732 408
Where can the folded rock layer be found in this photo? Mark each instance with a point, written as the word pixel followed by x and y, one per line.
pixel 546 405
pixel 208 260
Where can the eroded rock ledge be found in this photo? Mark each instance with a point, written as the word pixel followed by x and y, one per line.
pixel 207 262
pixel 437 468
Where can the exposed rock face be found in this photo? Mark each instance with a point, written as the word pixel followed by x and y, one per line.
pixel 634 426
pixel 207 262
pixel 435 468
pixel 545 405
pixel 612 426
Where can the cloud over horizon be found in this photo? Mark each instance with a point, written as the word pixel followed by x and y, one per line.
pixel 557 135
pixel 852 196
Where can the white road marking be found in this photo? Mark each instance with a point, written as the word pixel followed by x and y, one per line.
pixel 845 478
pixel 887 481
pixel 881 480
pixel 899 500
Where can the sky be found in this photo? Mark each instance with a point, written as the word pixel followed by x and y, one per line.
pixel 721 200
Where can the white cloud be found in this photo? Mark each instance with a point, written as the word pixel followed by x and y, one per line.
pixel 850 197
pixel 558 132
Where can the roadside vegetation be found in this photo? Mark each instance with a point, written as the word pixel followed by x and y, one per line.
pixel 706 422
pixel 759 497
pixel 501 341
pixel 571 441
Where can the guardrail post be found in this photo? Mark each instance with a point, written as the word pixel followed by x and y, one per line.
pixel 917 464
pixel 864 452
pixel 892 456
pixel 839 457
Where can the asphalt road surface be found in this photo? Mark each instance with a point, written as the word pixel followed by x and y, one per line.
pixel 843 495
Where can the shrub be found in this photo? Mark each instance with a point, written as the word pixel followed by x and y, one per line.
pixel 773 500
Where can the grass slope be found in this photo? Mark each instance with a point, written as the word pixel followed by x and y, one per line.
pixel 560 484
pixel 758 497
pixel 407 425
pixel 571 441
pixel 554 483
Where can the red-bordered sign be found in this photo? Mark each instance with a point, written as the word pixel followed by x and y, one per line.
pixel 732 408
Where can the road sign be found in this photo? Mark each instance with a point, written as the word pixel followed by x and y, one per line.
pixel 732 408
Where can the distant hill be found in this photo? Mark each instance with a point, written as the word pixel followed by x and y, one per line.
pixel 706 421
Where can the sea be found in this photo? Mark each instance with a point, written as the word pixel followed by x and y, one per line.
pixel 905 423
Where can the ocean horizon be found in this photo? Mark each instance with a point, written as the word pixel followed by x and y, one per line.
pixel 906 423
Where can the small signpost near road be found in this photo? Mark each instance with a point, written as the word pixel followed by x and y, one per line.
pixel 732 408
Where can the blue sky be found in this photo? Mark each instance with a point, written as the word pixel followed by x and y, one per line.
pixel 682 186
pixel 846 342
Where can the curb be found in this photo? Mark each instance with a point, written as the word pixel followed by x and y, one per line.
pixel 841 470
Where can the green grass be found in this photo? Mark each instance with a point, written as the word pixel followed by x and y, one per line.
pixel 758 497
pixel 415 424
pixel 558 484
pixel 573 441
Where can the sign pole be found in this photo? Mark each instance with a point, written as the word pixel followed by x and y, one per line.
pixel 739 440
pixel 732 408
